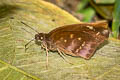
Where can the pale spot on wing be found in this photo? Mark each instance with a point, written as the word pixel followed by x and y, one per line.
pixel 97 33
pixel 71 36
pixel 83 43
pixel 65 41
pixel 79 38
pixel 90 27
pixel 80 47
pixel 77 50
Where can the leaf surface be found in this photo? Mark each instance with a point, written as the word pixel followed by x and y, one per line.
pixel 16 64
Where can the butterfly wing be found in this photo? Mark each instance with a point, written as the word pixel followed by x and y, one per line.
pixel 77 43
pixel 78 40
pixel 100 26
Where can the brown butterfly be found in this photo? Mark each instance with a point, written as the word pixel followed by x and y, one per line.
pixel 77 39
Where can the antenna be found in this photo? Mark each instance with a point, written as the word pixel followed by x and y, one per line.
pixel 28 43
pixel 27 31
pixel 30 33
pixel 29 27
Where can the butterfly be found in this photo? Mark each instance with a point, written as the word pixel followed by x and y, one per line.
pixel 79 40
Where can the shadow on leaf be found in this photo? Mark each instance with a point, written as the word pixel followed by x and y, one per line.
pixel 7 9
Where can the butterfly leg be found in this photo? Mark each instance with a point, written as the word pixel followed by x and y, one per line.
pixel 61 54
pixel 47 56
pixel 42 46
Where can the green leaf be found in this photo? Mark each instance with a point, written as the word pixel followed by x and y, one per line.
pixel 8 72
pixel 116 19
pixel 105 10
pixel 16 64
pixel 82 5
pixel 88 14
pixel 104 1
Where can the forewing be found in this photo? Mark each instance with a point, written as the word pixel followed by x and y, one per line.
pixel 77 43
pixel 79 39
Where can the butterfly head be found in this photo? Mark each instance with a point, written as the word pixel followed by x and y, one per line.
pixel 40 37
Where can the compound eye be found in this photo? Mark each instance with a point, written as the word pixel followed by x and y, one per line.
pixel 41 38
